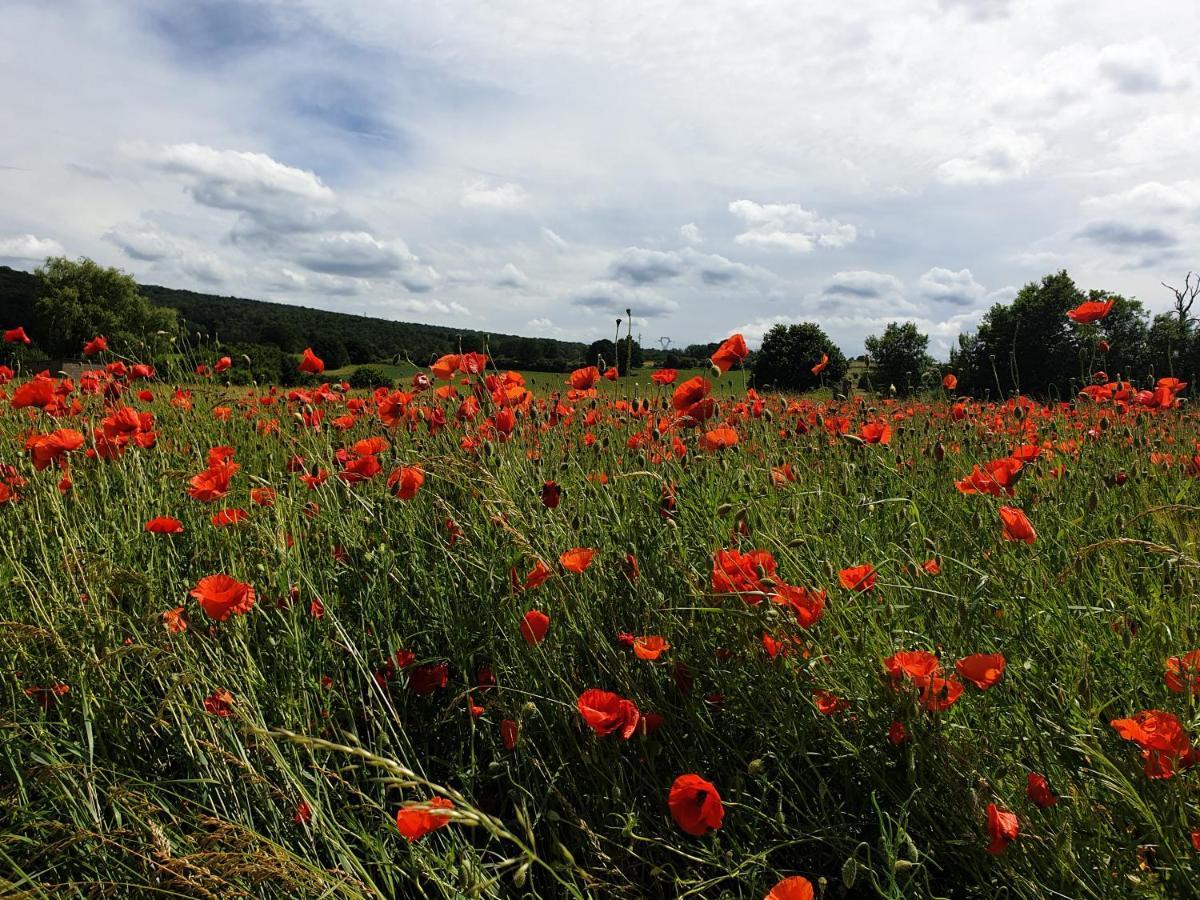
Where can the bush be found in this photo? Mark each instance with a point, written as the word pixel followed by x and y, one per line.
pixel 368 377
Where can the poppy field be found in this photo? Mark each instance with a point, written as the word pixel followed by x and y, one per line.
pixel 650 636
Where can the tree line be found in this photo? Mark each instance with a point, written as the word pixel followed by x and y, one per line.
pixel 1028 345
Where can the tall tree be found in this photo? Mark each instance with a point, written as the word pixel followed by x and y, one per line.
pixel 787 356
pixel 900 357
pixel 1031 346
pixel 78 299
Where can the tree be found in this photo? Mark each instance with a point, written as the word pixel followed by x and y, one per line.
pixel 614 355
pixel 900 356
pixel 78 300
pixel 788 354
pixel 1031 346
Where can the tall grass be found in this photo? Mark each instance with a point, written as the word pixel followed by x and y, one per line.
pixel 126 786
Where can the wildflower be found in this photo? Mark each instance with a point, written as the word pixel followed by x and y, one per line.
pixel 695 805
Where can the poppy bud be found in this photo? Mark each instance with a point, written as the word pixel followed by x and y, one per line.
pixel 849 872
pixel 755 767
pixel 520 874
pixel 1092 502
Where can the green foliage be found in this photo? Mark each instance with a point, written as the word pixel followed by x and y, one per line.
pixel 617 355
pixel 1031 346
pixel 788 353
pixel 368 377
pixel 126 786
pixel 900 357
pixel 78 299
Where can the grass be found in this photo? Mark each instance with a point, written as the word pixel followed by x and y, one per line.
pixel 125 785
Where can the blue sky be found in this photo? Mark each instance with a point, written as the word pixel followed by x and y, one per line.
pixel 537 167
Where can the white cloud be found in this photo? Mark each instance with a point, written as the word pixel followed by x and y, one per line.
pixel 1145 67
pixel 512 277
pixel 430 306
pixel 691 233
pixel 954 288
pixel 862 284
pixel 141 241
pixel 482 194
pixel 276 196
pixel 28 248
pixel 615 298
pixel 1001 157
pixel 788 226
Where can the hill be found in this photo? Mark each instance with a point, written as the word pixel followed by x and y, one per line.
pixel 340 339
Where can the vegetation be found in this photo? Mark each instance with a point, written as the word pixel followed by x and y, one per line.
pixel 625 642
pixel 900 357
pixel 255 328
pixel 789 355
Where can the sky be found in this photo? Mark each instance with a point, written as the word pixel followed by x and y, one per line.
pixel 534 167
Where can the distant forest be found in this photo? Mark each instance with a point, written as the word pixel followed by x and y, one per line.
pixel 338 338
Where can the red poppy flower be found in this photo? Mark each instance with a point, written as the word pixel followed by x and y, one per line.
pixel 1165 746
pixel 509 731
pixel 424 680
pixel 551 494
pixel 981 669
pixel 1037 789
pixel 213 483
pixel 876 433
pixel 996 477
pixel 606 712
pixel 98 344
pixel 858 578
pixel 311 364
pixel 406 481
pixel 226 517
pixel 1183 673
pixel 939 694
pixel 164 525
pixel 1017 526
pixel 38 392
pixel 829 704
pixel 1002 829
pixel 695 805
pixel 221 596
pixel 584 379
pixel 533 627
pixel 820 366
pixel 17 336
pixel 917 666
pixel 418 820
pixel 735 572
pixel 577 559
pixel 46 449
pixel 720 438
pixel 797 887
pixel 1090 311
pixel 537 575
pixel 650 647
pixel 174 620
pixel 692 401
pixel 897 733
pixel 219 703
pixel 732 351
pixel 950 382
pixel 664 376
pixel 303 814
